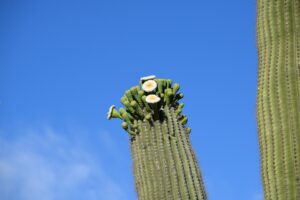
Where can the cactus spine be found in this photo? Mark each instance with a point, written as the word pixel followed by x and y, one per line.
pixel 164 163
pixel 278 97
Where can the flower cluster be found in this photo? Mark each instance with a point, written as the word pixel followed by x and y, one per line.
pixel 146 102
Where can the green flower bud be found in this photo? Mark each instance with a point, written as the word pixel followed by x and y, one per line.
pixel 188 130
pixel 181 105
pixel 129 95
pixel 176 87
pixel 134 104
pixel 179 96
pixel 125 125
pixel 148 116
pixel 168 96
pixel 178 111
pixel 184 120
pixel 141 93
pixel 122 110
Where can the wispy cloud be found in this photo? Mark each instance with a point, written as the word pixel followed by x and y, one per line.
pixel 42 164
pixel 257 196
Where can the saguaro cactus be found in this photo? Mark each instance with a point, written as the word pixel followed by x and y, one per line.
pixel 165 166
pixel 278 97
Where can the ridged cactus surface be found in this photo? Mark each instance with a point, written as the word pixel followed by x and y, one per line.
pixel 278 99
pixel 165 166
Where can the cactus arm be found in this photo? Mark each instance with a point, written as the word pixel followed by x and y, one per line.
pixel 164 163
pixel 278 99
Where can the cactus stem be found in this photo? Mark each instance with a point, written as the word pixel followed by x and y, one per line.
pixel 164 164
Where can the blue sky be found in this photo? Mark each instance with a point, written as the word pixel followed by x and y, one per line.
pixel 63 63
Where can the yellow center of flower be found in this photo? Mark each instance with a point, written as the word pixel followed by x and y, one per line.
pixel 152 97
pixel 149 84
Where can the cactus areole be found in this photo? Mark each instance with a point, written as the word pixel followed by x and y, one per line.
pixel 165 166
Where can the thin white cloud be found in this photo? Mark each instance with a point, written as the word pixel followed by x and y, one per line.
pixel 45 165
pixel 258 196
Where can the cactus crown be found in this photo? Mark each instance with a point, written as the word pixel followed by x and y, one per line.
pixel 147 102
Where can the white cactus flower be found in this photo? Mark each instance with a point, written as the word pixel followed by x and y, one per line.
pixel 152 98
pixel 149 86
pixel 146 78
pixel 110 111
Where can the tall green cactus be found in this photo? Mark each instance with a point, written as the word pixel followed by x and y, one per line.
pixel 165 166
pixel 278 97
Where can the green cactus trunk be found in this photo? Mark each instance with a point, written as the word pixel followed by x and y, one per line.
pixel 165 166
pixel 278 98
pixel 164 163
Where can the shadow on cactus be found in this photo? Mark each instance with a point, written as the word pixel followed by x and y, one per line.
pixel 165 166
